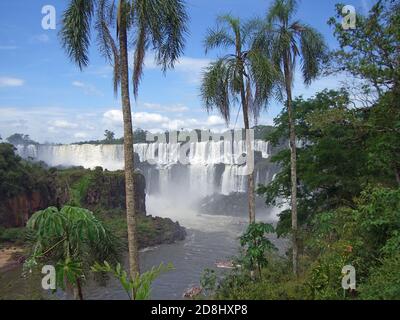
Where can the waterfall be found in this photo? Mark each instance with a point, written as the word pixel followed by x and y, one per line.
pixel 202 167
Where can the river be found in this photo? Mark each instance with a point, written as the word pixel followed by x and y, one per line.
pixel 209 239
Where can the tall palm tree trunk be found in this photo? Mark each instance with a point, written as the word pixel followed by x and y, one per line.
pixel 128 151
pixel 250 155
pixel 78 293
pixel 293 163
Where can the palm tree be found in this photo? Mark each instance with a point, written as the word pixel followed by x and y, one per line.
pixel 142 24
pixel 287 40
pixel 73 239
pixel 245 74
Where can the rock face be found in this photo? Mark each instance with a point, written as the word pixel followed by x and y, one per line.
pixel 89 189
pixel 29 187
pixel 159 231
pixel 17 210
pixel 235 204
pixel 107 189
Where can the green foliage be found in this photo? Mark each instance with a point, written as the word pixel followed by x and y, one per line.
pixel 348 169
pixel 78 190
pixel 370 51
pixel 20 178
pixel 208 281
pixel 138 288
pixel 139 136
pixel 277 283
pixel 159 23
pixel 15 235
pixel 245 74
pixel 384 282
pixel 16 176
pixel 72 239
pixel 109 135
pixel 286 39
pixel 256 245
pixel 324 278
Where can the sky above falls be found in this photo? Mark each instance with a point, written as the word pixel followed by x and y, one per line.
pixel 46 96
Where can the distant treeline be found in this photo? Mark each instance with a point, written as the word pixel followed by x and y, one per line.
pixel 139 136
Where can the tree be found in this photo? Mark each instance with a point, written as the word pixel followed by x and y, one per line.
pixel 245 74
pixel 159 24
pixel 109 135
pixel 332 164
pixel 20 139
pixel 141 285
pixel 370 51
pixel 71 238
pixel 256 245
pixel 288 40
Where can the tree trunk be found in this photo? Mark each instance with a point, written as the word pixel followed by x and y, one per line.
pixel 128 151
pixel 397 174
pixel 293 162
pixel 250 156
pixel 78 293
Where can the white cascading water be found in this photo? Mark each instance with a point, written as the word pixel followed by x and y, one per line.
pixel 201 159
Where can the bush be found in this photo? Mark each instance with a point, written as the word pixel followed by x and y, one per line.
pixel 14 235
pixel 277 283
pixel 384 281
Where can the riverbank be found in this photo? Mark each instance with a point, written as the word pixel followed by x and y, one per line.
pixel 11 256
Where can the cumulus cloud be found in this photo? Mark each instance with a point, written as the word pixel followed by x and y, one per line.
pixel 42 124
pixel 145 119
pixel 215 121
pixel 113 117
pixel 11 82
pixel 157 122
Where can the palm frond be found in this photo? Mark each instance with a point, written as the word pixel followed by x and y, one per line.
pixel 215 89
pixel 173 30
pixel 75 32
pixel 163 24
pixel 107 45
pixel 313 51
pixel 216 38
pixel 281 11
pixel 250 30
pixel 266 80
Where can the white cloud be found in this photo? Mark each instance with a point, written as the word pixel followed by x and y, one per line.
pixel 145 118
pixel 11 82
pixel 63 124
pixel 113 117
pixel 87 88
pixel 161 108
pixel 158 122
pixel 80 135
pixel 190 67
pixel 215 121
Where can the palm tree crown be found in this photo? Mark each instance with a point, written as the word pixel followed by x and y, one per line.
pixel 159 25
pixel 245 68
pixel 290 39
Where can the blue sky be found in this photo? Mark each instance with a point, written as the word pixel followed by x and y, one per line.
pixel 46 96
